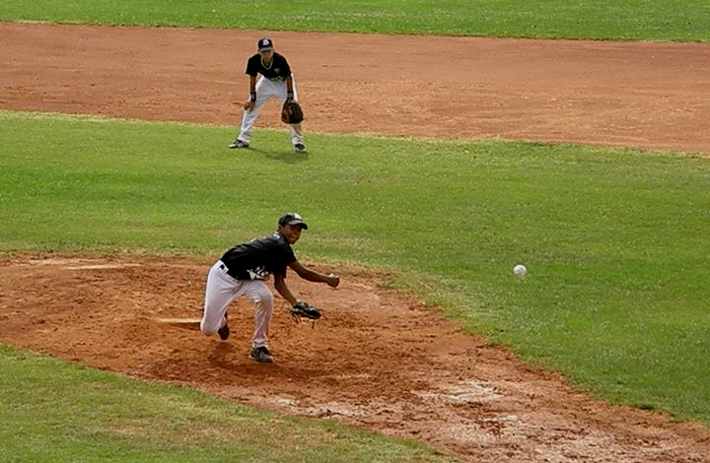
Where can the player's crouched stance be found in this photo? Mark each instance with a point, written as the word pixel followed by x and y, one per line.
pixel 243 269
pixel 270 76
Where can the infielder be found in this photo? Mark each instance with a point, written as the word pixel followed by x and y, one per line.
pixel 243 270
pixel 276 81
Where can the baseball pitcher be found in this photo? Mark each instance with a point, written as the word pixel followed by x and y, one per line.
pixel 243 270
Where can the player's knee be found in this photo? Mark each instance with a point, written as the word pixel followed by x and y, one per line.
pixel 208 329
pixel 264 293
pixel 264 299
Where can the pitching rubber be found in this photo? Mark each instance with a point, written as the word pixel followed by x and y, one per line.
pixel 186 323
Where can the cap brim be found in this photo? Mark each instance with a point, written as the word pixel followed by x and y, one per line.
pixel 266 49
pixel 298 222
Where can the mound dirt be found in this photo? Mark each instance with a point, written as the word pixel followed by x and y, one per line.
pixel 377 359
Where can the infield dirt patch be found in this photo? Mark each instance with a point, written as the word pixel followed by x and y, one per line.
pixel 377 359
pixel 652 95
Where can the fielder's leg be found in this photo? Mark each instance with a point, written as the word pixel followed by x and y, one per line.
pixel 264 91
pixel 295 129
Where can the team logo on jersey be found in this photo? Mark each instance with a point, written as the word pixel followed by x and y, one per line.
pixel 259 273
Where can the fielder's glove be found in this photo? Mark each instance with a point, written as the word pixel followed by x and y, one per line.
pixel 304 310
pixel 291 112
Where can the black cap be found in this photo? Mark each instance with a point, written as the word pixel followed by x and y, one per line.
pixel 292 219
pixel 265 43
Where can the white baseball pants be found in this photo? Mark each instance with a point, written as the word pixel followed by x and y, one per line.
pixel 265 90
pixel 222 289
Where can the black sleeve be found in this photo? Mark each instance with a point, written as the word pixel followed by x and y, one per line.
pixel 286 256
pixel 285 69
pixel 253 65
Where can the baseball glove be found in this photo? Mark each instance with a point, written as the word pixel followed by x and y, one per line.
pixel 291 113
pixel 304 310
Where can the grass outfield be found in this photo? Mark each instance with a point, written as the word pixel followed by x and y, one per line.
pixel 613 240
pixel 682 20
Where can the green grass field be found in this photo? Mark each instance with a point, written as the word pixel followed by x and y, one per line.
pixel 614 239
pixel 683 20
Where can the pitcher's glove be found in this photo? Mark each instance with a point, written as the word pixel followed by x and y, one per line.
pixel 304 310
pixel 291 112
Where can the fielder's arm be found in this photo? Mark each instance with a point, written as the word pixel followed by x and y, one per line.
pixel 289 87
pixel 252 94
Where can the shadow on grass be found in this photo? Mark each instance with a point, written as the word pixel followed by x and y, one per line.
pixel 287 157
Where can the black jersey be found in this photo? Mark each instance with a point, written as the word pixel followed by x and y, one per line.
pixel 278 69
pixel 258 258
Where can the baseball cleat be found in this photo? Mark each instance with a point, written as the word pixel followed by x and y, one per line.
pixel 261 354
pixel 300 148
pixel 224 331
pixel 238 144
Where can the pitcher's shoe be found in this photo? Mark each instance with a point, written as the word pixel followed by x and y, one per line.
pixel 224 331
pixel 261 354
pixel 300 148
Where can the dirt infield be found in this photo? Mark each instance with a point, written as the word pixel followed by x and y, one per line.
pixel 377 359
pixel 630 94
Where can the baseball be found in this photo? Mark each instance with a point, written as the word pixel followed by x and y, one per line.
pixel 520 270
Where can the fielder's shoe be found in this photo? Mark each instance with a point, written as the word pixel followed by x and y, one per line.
pixel 300 148
pixel 224 331
pixel 261 354
pixel 238 144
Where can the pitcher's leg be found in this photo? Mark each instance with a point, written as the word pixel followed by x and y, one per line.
pixel 263 300
pixel 220 291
